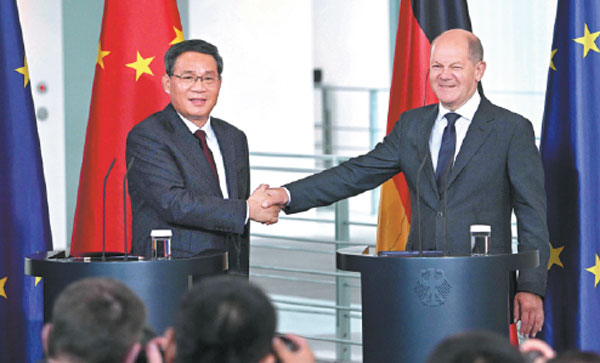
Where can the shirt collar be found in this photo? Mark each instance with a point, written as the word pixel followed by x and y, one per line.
pixel 207 127
pixel 466 111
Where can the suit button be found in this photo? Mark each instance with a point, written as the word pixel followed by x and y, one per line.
pixel 440 214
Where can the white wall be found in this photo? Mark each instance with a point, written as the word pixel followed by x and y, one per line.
pixel 267 79
pixel 517 36
pixel 352 48
pixel 41 21
pixel 351 42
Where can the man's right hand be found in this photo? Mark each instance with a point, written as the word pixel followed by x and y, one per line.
pixel 258 212
pixel 277 196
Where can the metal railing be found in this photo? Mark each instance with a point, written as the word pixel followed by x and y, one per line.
pixel 375 130
pixel 342 282
pixel 328 126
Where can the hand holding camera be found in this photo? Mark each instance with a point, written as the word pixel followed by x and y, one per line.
pixel 291 348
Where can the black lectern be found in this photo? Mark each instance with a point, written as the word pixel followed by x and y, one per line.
pixel 410 304
pixel 159 283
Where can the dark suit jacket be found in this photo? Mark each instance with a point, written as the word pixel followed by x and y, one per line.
pixel 497 169
pixel 172 186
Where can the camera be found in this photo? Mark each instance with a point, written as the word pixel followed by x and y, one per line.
pixel 289 344
pixel 147 335
pixel 530 357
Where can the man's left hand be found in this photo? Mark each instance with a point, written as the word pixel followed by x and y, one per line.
pixel 529 308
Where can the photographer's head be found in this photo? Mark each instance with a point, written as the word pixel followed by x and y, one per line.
pixel 577 357
pixel 95 320
pixel 476 347
pixel 223 319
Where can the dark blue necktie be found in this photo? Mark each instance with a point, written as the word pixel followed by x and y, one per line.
pixel 446 155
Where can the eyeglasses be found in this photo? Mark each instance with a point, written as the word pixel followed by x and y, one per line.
pixel 188 80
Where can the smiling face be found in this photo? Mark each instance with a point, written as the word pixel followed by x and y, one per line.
pixel 453 74
pixel 195 101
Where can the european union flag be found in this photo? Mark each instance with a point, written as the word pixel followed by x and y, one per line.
pixel 571 154
pixel 24 224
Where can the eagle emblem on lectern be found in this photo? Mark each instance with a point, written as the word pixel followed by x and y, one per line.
pixel 432 288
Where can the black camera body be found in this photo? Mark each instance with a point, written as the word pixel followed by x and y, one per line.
pixel 147 335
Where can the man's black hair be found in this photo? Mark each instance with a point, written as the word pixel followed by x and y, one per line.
pixel 96 320
pixel 224 319
pixel 192 45
pixel 576 357
pixel 476 347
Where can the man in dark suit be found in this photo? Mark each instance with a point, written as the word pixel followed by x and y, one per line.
pixel 191 171
pixel 481 156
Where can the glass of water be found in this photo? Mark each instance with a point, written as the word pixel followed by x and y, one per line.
pixel 161 243
pixel 480 239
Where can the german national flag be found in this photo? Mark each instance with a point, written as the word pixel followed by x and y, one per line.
pixel 420 21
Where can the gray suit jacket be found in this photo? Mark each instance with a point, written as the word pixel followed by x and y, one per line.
pixel 172 186
pixel 497 169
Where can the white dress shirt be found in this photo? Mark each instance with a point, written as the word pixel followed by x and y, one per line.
pixel 213 145
pixel 466 112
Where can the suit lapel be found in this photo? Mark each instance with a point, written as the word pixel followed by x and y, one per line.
pixel 228 152
pixel 476 135
pixel 190 148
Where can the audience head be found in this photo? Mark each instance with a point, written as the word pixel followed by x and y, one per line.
pixel 223 319
pixel 95 320
pixel 576 357
pixel 476 347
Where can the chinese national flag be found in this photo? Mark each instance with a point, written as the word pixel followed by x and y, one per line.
pixel 127 88
pixel 420 21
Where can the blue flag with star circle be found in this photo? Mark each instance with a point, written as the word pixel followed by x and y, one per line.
pixel 24 223
pixel 570 148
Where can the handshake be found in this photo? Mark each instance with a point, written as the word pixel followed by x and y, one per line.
pixel 265 203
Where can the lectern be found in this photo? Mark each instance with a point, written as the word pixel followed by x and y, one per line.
pixel 410 304
pixel 159 283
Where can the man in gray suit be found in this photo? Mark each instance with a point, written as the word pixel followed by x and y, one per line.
pixel 482 157
pixel 191 170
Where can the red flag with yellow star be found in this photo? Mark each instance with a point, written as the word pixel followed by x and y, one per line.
pixel 127 89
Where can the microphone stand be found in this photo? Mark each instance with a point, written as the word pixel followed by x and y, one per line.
pixel 104 210
pixel 419 202
pixel 125 208
pixel 444 249
pixel 419 174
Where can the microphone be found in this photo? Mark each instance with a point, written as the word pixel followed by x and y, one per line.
pixel 104 209
pixel 419 202
pixel 445 251
pixel 125 207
